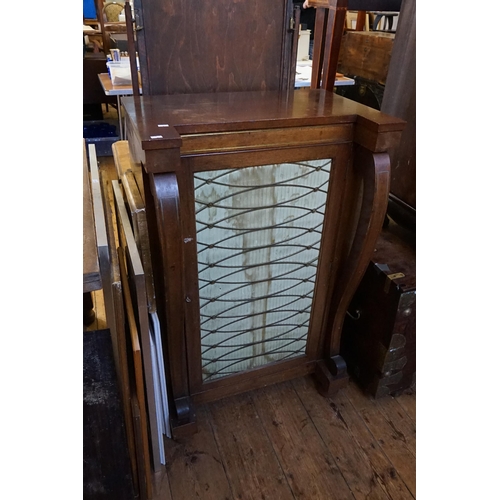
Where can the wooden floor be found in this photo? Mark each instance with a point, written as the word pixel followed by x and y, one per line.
pixel 288 442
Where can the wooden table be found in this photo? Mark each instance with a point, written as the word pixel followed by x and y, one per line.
pixel 236 186
pixel 91 273
pixel 118 91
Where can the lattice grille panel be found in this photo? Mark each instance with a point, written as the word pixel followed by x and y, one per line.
pixel 258 233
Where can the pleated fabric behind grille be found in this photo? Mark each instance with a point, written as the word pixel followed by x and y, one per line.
pixel 258 236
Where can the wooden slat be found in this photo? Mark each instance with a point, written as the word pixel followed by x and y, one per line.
pixel 101 235
pixel 117 322
pixel 318 47
pixel 138 409
pixel 384 430
pixel 248 457
pixel 136 275
pixel 409 404
pixel 309 466
pixel 194 465
pixel 403 427
pixel 386 474
pixel 340 438
pixel 249 446
pixel 127 173
pixel 91 274
pixel 286 137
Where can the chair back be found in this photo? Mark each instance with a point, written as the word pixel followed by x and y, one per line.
pixel 111 11
pixel 329 29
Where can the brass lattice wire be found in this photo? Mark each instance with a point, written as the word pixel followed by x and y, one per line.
pixel 258 235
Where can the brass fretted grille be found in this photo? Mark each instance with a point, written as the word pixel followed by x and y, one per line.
pixel 258 235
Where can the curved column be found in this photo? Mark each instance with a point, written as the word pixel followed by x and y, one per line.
pixel 169 276
pixel 373 170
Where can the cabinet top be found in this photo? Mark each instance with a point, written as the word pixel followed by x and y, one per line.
pixel 159 120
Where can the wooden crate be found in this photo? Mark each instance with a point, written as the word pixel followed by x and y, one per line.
pixel 379 337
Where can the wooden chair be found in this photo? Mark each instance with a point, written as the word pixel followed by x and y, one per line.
pixel 330 24
pixel 112 11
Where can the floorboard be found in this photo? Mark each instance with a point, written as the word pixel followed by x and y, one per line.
pixel 407 401
pixel 250 462
pixel 385 431
pixel 338 431
pixel 308 464
pixel 194 465
pixel 286 441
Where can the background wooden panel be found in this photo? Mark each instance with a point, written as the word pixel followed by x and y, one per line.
pixel 400 100
pixel 193 46
pixel 366 54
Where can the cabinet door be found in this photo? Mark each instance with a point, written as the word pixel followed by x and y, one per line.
pixel 259 272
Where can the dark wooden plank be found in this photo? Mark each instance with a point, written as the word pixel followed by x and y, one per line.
pixel 352 461
pixel 385 5
pixel 403 427
pixel 309 466
pixel 335 30
pixel 384 430
pixel 194 465
pixel 318 48
pixel 384 471
pixel 251 465
pixel 408 401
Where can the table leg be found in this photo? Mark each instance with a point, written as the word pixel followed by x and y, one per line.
pixel 119 105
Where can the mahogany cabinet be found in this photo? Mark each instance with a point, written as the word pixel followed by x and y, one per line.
pixel 263 211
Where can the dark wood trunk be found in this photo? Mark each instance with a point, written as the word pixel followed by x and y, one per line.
pixel 379 336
